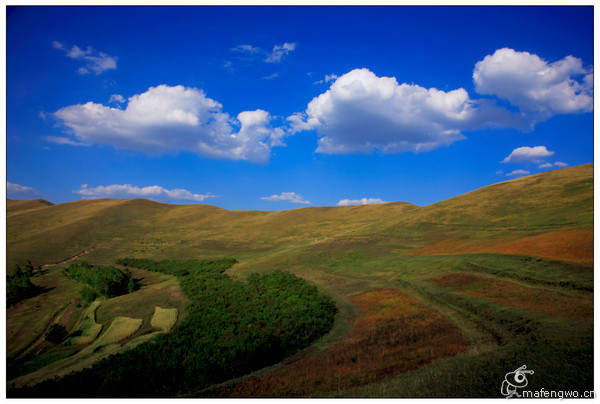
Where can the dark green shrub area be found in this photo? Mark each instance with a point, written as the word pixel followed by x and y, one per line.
pixel 177 268
pixel 232 328
pixel 107 281
pixel 19 286
pixel 56 334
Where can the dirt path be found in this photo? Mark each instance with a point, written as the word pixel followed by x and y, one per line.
pixel 73 257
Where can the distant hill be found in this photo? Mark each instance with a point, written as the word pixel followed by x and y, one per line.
pixel 126 225
pixel 14 206
pixel 550 202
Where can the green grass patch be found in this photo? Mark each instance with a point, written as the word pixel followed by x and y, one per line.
pixel 88 329
pixel 119 329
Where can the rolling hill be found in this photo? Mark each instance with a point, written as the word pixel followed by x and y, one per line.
pixel 485 277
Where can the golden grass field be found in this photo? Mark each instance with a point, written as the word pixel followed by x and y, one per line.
pixel 164 319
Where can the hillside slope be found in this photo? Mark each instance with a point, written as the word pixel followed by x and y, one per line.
pixel 550 202
pixel 547 215
pixel 19 206
pixel 395 271
pixel 144 228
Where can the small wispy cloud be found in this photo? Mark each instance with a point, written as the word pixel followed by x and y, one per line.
pixel 64 141
pixel 559 164
pixel 280 52
pixel 245 48
pixel 271 76
pixel 116 99
pixel 150 192
pixel 362 201
pixel 250 53
pixel 327 79
pixel 519 173
pixel 228 65
pixel 20 191
pixel 93 60
pixel 528 154
pixel 290 197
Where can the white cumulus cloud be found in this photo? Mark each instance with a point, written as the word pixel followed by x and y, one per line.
pixel 93 60
pixel 20 191
pixel 291 197
pixel 528 154
pixel 560 164
pixel 534 85
pixel 168 119
pixel 362 201
pixel 149 192
pixel 361 112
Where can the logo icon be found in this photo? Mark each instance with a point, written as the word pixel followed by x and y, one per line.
pixel 513 381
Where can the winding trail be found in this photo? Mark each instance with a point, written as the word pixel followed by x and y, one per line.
pixel 73 257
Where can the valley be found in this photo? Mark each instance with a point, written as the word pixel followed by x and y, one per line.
pixel 435 301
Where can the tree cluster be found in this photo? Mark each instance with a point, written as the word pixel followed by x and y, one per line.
pixel 100 281
pixel 232 328
pixel 19 285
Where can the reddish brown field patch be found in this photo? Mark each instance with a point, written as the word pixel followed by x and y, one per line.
pixel 565 245
pixel 394 334
pixel 64 321
pixel 511 294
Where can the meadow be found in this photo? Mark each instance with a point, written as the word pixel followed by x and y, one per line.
pixel 434 301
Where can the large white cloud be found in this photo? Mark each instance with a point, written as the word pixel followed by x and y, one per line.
pixel 528 154
pixel 535 86
pixel 168 119
pixel 150 192
pixel 361 112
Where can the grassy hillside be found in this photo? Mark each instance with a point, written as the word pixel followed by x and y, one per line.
pixel 17 206
pixel 505 272
pixel 142 227
pixel 549 202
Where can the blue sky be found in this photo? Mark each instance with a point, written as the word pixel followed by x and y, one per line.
pixel 272 108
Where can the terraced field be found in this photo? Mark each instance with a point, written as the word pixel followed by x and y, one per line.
pixel 466 290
